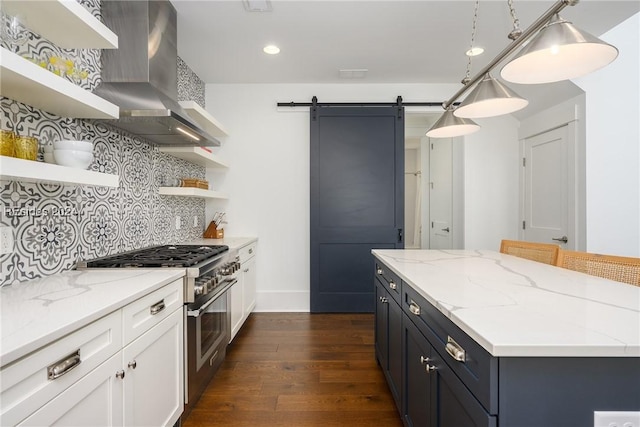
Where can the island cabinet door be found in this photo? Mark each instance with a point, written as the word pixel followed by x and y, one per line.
pixel 453 404
pixel 433 395
pixel 382 326
pixel 418 390
pixel 389 340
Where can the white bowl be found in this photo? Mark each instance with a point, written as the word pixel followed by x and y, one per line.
pixel 73 158
pixel 48 158
pixel 73 145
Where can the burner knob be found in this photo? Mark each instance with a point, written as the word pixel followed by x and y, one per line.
pixel 199 289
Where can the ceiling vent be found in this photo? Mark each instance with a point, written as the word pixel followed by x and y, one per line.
pixel 353 73
pixel 257 5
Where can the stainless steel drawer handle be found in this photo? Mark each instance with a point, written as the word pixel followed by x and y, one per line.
pixel 384 300
pixel 455 351
pixel 120 374
pixel 379 271
pixel 157 308
pixel 430 368
pixel 132 364
pixel 393 285
pixel 424 360
pixel 414 308
pixel 63 366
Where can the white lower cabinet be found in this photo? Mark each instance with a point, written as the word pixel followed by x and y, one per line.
pixel 95 377
pixel 153 381
pixel 243 293
pixel 95 400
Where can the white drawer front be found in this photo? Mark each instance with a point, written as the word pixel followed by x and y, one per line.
pixel 146 312
pixel 25 384
pixel 247 251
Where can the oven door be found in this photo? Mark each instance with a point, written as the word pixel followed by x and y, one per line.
pixel 208 330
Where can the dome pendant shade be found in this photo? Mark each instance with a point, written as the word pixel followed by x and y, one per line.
pixel 488 99
pixel 558 52
pixel 449 126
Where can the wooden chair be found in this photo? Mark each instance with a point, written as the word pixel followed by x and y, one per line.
pixel 618 268
pixel 541 252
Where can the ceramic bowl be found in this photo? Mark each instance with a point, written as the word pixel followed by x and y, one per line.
pixel 73 158
pixel 73 145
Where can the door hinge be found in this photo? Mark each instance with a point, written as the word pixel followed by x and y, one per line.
pixel 524 225
pixel 524 162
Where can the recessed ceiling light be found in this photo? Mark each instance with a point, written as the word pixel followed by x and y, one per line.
pixel 271 49
pixel 474 51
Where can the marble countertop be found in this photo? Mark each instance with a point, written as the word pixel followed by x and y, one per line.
pixel 234 243
pixel 35 313
pixel 516 307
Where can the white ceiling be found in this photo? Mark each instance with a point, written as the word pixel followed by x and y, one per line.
pixel 418 41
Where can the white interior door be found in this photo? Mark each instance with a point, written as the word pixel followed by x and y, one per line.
pixel 546 188
pixel 441 193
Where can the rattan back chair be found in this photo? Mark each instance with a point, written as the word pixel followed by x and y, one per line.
pixel 618 268
pixel 542 252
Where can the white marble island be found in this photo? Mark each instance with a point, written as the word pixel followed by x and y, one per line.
pixel 479 338
pixel 516 307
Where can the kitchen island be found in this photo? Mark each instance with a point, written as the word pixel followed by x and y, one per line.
pixel 499 340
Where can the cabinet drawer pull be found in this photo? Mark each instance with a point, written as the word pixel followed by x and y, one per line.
pixel 430 368
pixel 380 271
pixel 424 360
pixel 414 308
pixel 393 285
pixel 132 364
pixel 120 374
pixel 384 300
pixel 250 251
pixel 63 366
pixel 455 351
pixel 157 307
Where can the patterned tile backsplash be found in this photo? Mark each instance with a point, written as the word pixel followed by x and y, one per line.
pixel 55 226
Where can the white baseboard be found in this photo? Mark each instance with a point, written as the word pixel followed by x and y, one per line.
pixel 282 301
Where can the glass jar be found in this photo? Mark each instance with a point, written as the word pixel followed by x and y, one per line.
pixel 7 142
pixel 26 147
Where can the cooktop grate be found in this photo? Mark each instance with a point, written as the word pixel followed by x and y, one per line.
pixel 160 256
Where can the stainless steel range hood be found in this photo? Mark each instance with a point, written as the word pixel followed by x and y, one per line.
pixel 141 75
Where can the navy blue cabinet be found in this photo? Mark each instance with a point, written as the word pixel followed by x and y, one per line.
pixel 389 340
pixel 435 396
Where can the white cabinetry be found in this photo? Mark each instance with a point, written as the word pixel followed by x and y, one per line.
pixel 123 369
pixel 243 293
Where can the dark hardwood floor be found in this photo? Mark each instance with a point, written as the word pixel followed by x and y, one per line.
pixel 299 369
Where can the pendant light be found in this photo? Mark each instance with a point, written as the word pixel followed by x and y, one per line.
pixel 448 125
pixel 490 98
pixel 559 51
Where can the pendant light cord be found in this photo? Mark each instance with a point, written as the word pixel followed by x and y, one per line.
pixel 516 32
pixel 467 76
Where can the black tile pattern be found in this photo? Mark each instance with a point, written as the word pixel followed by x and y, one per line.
pixel 54 226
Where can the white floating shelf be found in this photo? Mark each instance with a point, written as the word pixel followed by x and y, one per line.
pixel 191 192
pixel 198 155
pixel 13 169
pixel 203 118
pixel 26 82
pixel 66 23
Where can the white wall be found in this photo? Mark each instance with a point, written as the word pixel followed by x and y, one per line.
pixel 613 146
pixel 491 167
pixel 268 178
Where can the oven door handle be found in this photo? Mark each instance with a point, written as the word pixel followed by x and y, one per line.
pixel 197 312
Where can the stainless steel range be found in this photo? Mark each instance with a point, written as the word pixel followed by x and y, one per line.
pixel 210 273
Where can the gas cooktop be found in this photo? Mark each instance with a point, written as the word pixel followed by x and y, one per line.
pixel 159 256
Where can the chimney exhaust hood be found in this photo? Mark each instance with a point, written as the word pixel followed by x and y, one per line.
pixel 141 76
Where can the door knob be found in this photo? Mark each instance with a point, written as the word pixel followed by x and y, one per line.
pixel 562 239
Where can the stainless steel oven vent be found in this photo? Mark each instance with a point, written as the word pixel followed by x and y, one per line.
pixel 141 75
